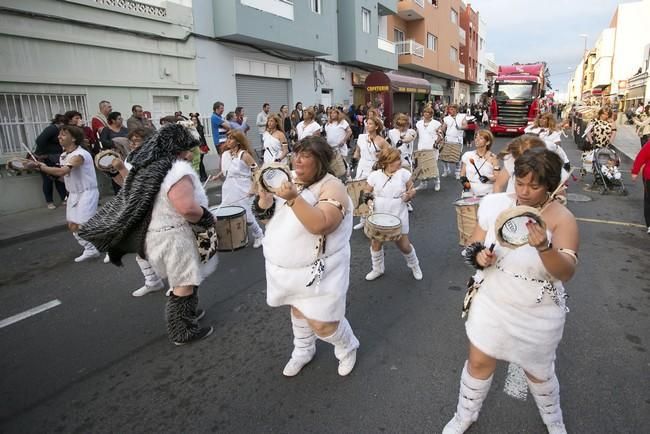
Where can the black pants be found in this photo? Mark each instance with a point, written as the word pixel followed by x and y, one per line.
pixel 49 183
pixel 203 175
pixel 644 139
pixel 646 202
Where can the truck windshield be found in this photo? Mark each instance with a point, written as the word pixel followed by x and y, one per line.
pixel 514 90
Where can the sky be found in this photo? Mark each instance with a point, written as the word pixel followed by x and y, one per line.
pixel 526 31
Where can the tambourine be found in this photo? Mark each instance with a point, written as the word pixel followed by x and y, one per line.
pixel 511 230
pixel 104 160
pixel 19 164
pixel 272 175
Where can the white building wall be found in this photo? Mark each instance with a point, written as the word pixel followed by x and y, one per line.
pixel 482 58
pixel 629 42
pixel 604 54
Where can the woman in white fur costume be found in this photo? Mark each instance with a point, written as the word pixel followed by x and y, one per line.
pixel 518 312
pixel 307 253
pixel 156 214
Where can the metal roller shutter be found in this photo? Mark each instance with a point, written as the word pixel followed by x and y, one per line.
pixel 252 92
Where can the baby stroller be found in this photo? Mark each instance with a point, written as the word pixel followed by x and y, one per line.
pixel 604 164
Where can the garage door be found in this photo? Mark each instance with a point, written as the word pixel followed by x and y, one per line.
pixel 252 92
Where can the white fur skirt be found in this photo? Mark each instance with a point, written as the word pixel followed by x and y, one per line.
pixel 174 255
pixel 81 207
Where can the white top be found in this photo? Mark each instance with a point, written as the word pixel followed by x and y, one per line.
pixel 273 147
pixel 80 178
pixel 427 134
pixel 388 191
pixel 485 168
pixel 408 141
pixel 367 156
pixel 303 130
pixel 261 122
pixel 454 133
pixel 509 166
pixel 237 185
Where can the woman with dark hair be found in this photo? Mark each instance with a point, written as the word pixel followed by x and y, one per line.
pixel 307 253
pixel 48 150
pixel 115 129
pixel 78 171
pixel 518 312
pixel 505 179
pixel 287 127
pixel 203 144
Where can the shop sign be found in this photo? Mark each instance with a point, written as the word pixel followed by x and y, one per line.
pixel 622 85
pixel 382 88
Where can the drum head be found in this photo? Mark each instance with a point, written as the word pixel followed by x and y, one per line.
pixel 468 201
pixel 514 231
pixel 226 212
pixel 16 164
pixel 106 160
pixel 273 177
pixel 384 220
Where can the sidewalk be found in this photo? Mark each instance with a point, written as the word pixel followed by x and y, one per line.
pixel 626 141
pixel 36 223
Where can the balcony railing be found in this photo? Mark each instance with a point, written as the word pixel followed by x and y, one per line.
pixel 410 47
pixel 461 68
pixel 419 3
pixel 490 65
pixel 385 45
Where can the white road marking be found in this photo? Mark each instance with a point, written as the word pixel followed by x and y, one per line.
pixel 31 312
pixel 610 222
pixel 516 384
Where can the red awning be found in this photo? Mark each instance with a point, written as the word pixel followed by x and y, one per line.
pixel 384 82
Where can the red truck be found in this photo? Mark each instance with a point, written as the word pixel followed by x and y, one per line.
pixel 516 97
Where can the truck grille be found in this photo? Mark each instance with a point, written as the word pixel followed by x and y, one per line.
pixel 512 115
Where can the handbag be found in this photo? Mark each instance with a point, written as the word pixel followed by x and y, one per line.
pixel 207 243
pixel 472 288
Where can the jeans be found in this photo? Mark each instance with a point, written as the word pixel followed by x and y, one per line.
pixel 48 188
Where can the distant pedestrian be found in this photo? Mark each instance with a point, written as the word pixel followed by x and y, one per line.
pixel 99 121
pixel 139 121
pixel 261 119
pixel 219 126
pixel 48 150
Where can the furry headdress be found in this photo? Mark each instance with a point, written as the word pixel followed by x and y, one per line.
pixel 120 226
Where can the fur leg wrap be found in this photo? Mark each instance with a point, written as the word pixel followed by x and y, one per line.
pixel 304 339
pixel 411 258
pixel 180 313
pixel 471 395
pixel 377 259
pixel 547 398
pixel 343 339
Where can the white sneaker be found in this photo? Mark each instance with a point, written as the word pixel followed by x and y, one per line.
pixel 359 225
pixel 556 428
pixel 649 229
pixel 456 425
pixel 444 173
pixel 258 242
pixel 374 274
pixel 107 260
pixel 88 254
pixel 294 366
pixel 409 206
pixel 437 185
pixel 347 364
pixel 457 175
pixel 417 272
pixel 147 289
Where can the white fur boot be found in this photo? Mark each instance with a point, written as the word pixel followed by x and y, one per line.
pixel 413 263
pixel 304 346
pixel 151 280
pixel 90 251
pixel 345 347
pixel 377 264
pixel 547 398
pixel 470 399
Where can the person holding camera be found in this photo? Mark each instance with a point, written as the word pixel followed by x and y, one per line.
pixel 479 167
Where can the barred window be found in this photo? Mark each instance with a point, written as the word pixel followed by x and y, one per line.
pixel 24 115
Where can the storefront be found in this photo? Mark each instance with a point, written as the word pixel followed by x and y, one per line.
pixel 359 88
pixel 397 93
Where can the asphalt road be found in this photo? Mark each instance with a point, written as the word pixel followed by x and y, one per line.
pixel 100 361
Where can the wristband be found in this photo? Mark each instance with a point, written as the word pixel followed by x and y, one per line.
pixel 291 202
pixel 470 253
pixel 207 218
pixel 545 249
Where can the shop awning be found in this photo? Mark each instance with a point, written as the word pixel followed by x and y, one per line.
pixel 389 82
pixel 437 89
pixel 635 92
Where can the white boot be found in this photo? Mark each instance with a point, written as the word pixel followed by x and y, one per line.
pixel 436 186
pixel 413 263
pixel 361 224
pixel 471 395
pixel 547 398
pixel 151 280
pixel 304 346
pixel 377 264
pixel 345 347
pixel 257 233
pixel 90 251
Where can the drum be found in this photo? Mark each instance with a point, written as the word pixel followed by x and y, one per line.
pixel 272 175
pixel 510 227
pixel 466 218
pixel 450 152
pixel 337 165
pixel 104 160
pixel 355 189
pixel 383 227
pixel 232 232
pixel 426 166
pixel 20 164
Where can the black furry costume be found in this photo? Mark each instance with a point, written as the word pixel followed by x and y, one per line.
pixel 120 226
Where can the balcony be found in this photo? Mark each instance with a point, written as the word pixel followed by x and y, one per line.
pixel 490 66
pixel 410 47
pixel 461 68
pixel 385 45
pixel 462 36
pixel 410 10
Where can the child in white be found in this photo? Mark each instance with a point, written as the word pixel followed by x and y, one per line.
pixel 610 171
pixel 392 187
pixel 428 138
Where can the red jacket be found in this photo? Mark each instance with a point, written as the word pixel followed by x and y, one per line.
pixel 642 160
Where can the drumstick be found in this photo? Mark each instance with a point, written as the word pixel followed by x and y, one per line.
pixel 471 160
pixel 211 177
pixel 29 152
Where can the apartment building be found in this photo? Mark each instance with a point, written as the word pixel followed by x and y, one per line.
pixel 62 55
pixel 482 72
pixel 468 87
pixel 428 41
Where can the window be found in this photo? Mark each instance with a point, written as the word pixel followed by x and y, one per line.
pixel 24 116
pixel 316 6
pixel 432 42
pixel 454 16
pixel 365 20
pixel 398 36
pixel 434 3
pixel 453 54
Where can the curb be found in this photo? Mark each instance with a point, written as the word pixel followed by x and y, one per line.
pixel 40 233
